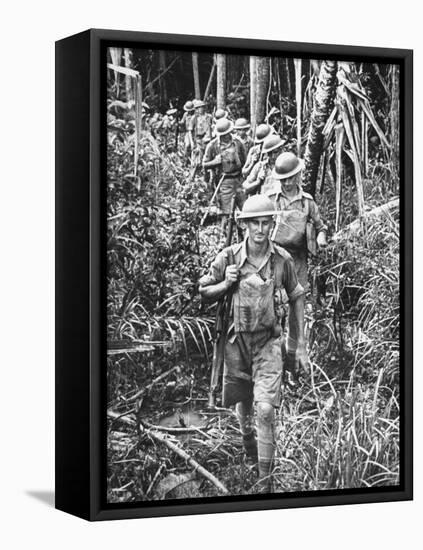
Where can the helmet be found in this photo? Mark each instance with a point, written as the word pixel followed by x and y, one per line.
pixel 223 126
pixel 262 131
pixel 198 103
pixel 171 111
pixel 287 165
pixel 220 113
pixel 189 106
pixel 257 206
pixel 242 124
pixel 271 143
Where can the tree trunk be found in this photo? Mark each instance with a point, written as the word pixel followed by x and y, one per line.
pixel 394 115
pixel 263 72
pixel 322 107
pixel 196 74
pixel 298 100
pixel 221 81
pixel 162 80
pixel 127 55
pixel 253 91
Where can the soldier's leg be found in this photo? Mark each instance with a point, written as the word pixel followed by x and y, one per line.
pixel 245 415
pixel 267 376
pixel 266 442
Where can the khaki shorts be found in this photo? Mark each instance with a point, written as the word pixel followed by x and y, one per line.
pixel 231 186
pixel 253 368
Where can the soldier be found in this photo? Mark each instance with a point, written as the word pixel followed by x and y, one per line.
pixel 226 155
pixel 241 128
pixel 262 277
pixel 262 132
pixel 168 127
pixel 200 132
pixel 185 126
pixel 260 178
pixel 297 224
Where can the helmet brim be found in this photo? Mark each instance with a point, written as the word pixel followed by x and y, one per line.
pixel 275 147
pixel 298 168
pixel 252 215
pixel 189 110
pixel 246 127
pixel 228 131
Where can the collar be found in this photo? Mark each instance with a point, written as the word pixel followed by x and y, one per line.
pixel 296 197
pixel 244 256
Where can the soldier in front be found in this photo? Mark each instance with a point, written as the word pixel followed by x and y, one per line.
pixel 262 277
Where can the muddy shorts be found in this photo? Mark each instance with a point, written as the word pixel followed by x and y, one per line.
pixel 230 186
pixel 253 368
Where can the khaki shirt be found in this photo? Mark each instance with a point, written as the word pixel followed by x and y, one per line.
pixel 297 202
pixel 284 271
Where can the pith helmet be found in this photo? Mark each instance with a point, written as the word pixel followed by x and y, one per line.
pixel 241 124
pixel 262 131
pixel 198 103
pixel 257 206
pixel 220 113
pixel 223 127
pixel 286 166
pixel 189 106
pixel 171 111
pixel 271 143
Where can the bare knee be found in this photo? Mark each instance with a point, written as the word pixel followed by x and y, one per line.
pixel 265 412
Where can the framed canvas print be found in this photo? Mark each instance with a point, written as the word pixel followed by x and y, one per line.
pixel 233 274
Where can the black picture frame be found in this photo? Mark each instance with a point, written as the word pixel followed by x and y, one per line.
pixel 80 281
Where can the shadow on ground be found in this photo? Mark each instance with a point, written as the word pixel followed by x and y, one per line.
pixel 46 497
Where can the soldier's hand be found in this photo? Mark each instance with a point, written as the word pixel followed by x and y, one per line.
pixel 218 159
pixel 301 357
pixel 321 240
pixel 231 274
pixel 255 157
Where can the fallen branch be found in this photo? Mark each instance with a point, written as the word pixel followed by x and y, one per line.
pixel 183 454
pixel 355 226
pixel 157 436
pixel 158 379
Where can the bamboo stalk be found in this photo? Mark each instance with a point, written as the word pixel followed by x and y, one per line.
pixel 298 98
pixel 210 80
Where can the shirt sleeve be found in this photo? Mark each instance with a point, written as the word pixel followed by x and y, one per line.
pixel 290 281
pixel 210 152
pixel 216 273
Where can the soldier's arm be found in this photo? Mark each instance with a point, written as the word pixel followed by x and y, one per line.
pixel 219 279
pixel 296 298
pixel 253 181
pixel 211 159
pixel 321 228
pixel 250 162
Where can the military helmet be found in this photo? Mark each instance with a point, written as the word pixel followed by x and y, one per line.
pixel 223 126
pixel 189 106
pixel 286 166
pixel 241 124
pixel 262 131
pixel 220 113
pixel 171 111
pixel 257 206
pixel 271 143
pixel 198 103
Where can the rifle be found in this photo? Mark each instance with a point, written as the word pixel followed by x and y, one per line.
pixel 221 325
pixel 203 219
